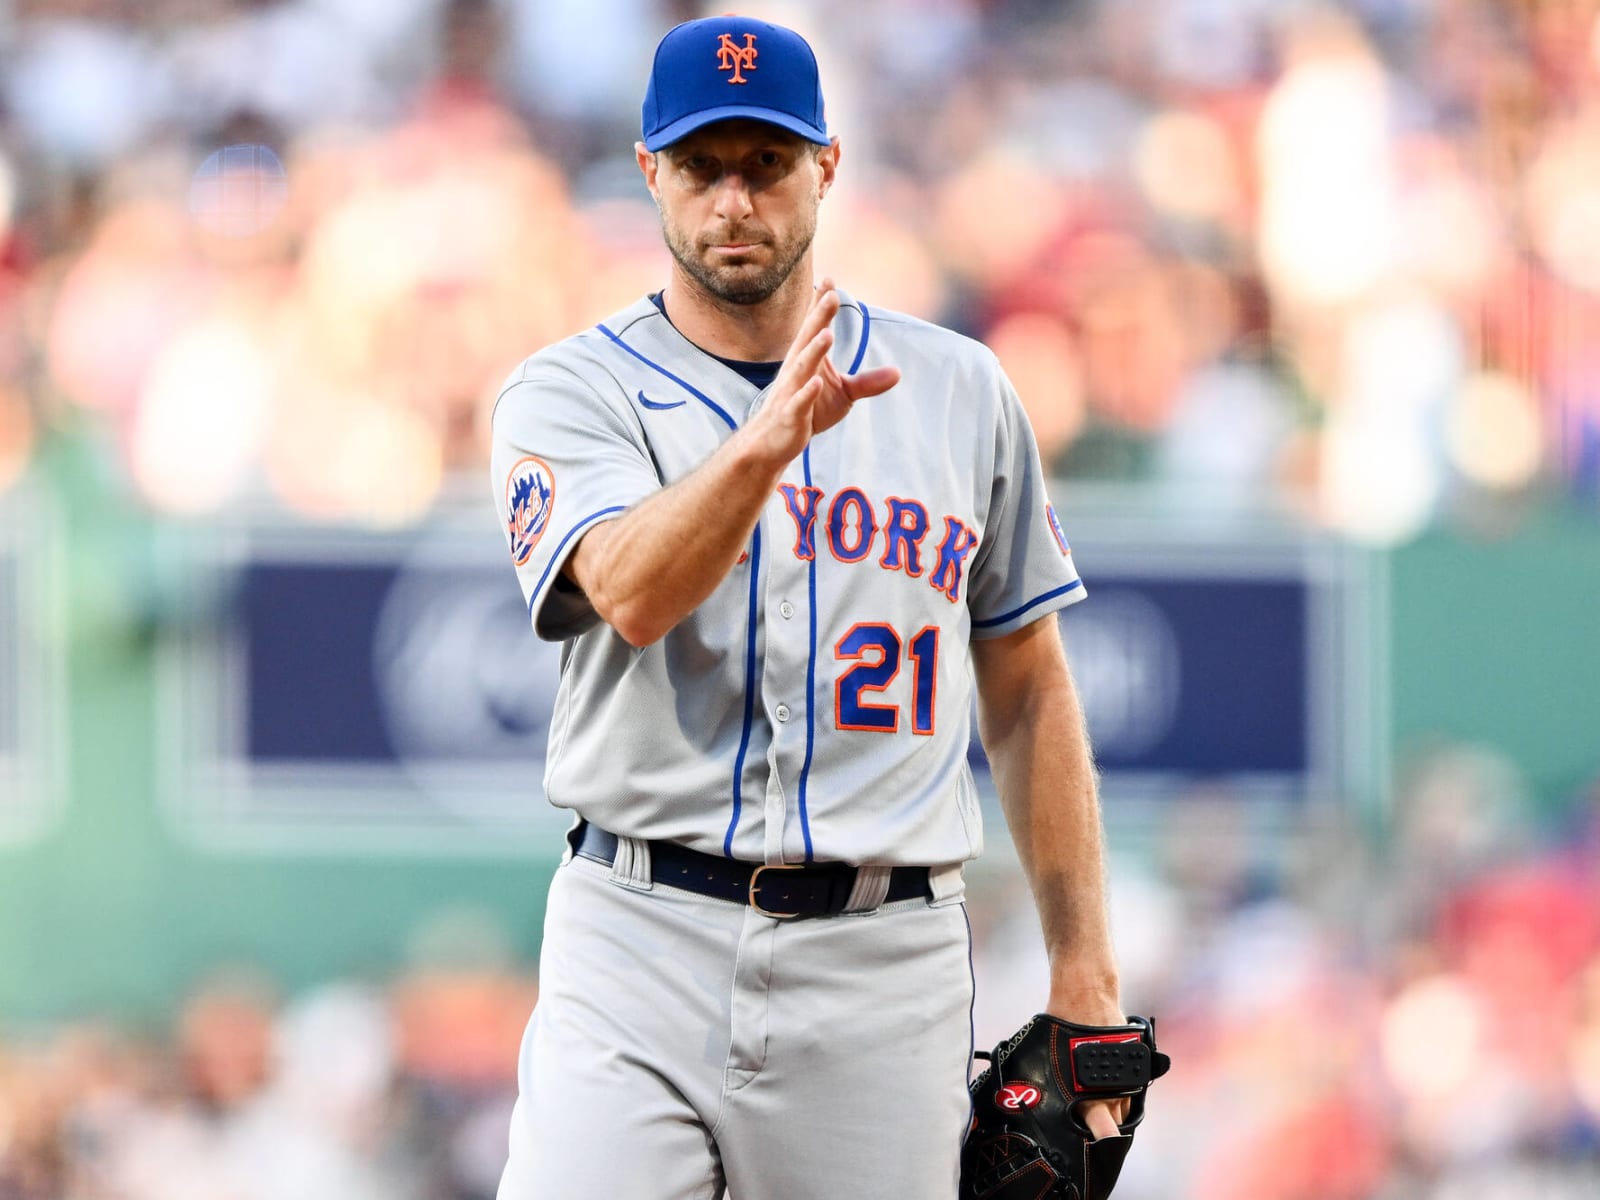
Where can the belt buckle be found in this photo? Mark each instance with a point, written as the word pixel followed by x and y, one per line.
pixel 755 877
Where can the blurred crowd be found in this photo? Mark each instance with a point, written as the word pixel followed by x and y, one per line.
pixel 1416 1023
pixel 349 1091
pixel 1340 260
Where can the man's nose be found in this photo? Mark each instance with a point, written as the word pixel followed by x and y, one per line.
pixel 733 196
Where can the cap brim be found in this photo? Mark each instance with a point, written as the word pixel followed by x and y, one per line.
pixel 684 126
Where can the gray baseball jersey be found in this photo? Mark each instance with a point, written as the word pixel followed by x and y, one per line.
pixel 816 706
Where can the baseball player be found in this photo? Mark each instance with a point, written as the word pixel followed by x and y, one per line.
pixel 781 534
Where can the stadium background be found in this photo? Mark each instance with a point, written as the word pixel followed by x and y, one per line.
pixel 1304 302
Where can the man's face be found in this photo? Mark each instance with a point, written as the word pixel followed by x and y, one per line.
pixel 738 203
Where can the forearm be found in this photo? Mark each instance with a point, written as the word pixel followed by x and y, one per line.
pixel 1046 780
pixel 650 568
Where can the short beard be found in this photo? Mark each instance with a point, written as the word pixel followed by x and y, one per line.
pixel 734 285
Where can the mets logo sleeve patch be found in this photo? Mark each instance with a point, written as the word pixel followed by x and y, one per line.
pixel 566 453
pixel 530 499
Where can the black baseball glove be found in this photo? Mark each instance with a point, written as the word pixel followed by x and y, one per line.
pixel 1027 1140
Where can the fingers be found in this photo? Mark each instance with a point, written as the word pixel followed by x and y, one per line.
pixel 856 387
pixel 870 383
pixel 818 386
pixel 824 307
pixel 803 363
pixel 1098 1117
pixel 813 340
pixel 838 393
pixel 809 392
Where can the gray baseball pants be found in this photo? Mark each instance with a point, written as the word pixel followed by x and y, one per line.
pixel 689 1048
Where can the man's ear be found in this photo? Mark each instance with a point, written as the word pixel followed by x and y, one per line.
pixel 828 158
pixel 647 167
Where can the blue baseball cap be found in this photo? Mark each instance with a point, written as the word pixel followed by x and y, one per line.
pixel 724 67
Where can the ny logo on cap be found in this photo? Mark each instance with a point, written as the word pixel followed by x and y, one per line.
pixel 736 58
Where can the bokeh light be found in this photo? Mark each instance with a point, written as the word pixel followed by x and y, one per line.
pixel 1185 164
pixel 200 422
pixel 1327 224
pixel 1450 232
pixel 1494 433
pixel 1563 199
pixel 1433 1039
pixel 1380 482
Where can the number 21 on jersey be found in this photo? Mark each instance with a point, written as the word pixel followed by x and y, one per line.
pixel 877 651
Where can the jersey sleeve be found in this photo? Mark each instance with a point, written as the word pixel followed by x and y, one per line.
pixel 562 462
pixel 1024 568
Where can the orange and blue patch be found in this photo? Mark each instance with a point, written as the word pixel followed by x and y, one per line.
pixel 530 499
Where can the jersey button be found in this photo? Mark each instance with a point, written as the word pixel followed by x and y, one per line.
pixel 781 712
pixel 786 609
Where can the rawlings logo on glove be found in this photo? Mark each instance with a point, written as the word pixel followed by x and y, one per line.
pixel 1027 1140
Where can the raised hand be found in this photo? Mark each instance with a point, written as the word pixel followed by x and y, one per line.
pixel 810 394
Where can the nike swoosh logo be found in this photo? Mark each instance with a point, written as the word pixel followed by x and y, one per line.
pixel 649 403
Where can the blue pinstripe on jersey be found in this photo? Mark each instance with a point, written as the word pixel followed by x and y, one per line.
pixel 866 334
pixel 1017 612
pixel 811 680
pixel 749 695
